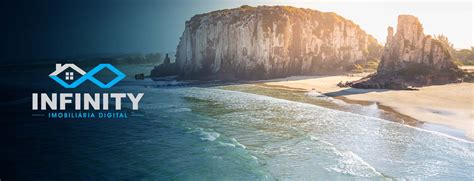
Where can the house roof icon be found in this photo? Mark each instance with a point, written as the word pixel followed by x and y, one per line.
pixel 60 68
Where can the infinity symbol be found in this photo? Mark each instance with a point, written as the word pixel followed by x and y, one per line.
pixel 87 76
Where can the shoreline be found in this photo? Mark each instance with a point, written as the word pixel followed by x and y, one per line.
pixel 443 112
pixel 405 118
pixel 437 127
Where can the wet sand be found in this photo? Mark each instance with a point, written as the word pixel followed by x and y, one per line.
pixel 450 105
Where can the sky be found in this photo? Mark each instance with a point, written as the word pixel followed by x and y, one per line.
pixel 61 29
pixel 451 18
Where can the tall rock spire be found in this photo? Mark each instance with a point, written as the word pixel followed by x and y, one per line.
pixel 411 58
pixel 411 46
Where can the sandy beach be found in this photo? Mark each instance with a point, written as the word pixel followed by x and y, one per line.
pixel 451 105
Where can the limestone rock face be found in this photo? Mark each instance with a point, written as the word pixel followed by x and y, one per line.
pixel 270 41
pixel 410 46
pixel 411 58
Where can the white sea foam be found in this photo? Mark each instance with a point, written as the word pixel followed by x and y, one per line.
pixel 322 141
pixel 204 135
pixel 348 138
pixel 351 163
pixel 348 162
pixel 238 144
pixel 209 136
pixel 226 144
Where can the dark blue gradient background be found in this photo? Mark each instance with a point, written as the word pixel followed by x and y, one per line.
pixel 33 30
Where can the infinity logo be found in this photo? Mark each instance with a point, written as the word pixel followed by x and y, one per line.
pixel 70 69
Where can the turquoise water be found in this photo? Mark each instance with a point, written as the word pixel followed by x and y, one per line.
pixel 241 135
pixel 236 132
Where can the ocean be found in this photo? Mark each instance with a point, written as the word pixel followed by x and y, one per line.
pixel 223 132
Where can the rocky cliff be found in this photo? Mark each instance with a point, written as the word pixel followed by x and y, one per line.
pixel 270 41
pixel 411 58
pixel 411 46
pixel 165 69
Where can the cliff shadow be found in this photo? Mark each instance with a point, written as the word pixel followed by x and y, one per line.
pixel 353 91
